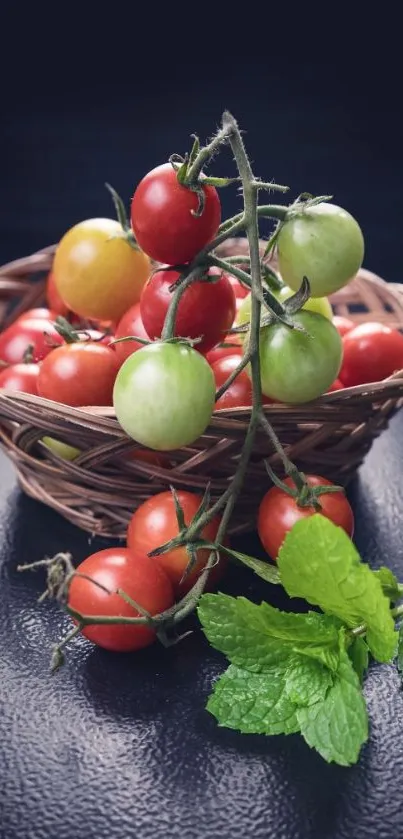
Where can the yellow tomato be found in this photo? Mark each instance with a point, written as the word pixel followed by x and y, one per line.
pixel 62 449
pixel 319 305
pixel 97 273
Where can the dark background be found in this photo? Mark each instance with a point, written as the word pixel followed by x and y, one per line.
pixel 119 746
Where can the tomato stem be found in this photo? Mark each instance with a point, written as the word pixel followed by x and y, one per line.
pixel 168 331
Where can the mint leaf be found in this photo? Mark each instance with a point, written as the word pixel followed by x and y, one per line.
pixel 337 726
pixel 259 637
pixel 400 650
pixel 319 563
pixel 307 681
pixel 253 703
pixel 359 657
pixel 390 583
pixel 328 655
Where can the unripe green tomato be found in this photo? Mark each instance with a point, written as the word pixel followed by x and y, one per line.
pixel 320 305
pixel 62 449
pixel 323 243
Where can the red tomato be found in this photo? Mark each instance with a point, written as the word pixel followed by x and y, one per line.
pixel 342 324
pixel 154 523
pixel 149 456
pixel 224 349
pixel 21 377
pixel 139 577
pixel 15 340
pixel 130 324
pixel 53 298
pixel 98 337
pixel 239 394
pixel 162 219
pixel 79 374
pixel 337 385
pixel 239 290
pixel 278 512
pixel 34 314
pixel 371 353
pixel 206 309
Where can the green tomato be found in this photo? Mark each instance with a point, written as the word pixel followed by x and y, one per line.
pixel 297 367
pixel 164 395
pixel 320 305
pixel 62 449
pixel 323 243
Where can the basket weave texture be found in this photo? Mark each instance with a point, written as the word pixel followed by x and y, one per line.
pixel 99 490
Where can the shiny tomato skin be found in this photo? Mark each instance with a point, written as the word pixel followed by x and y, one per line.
pixel 53 298
pixel 371 353
pixel 40 313
pixel 230 346
pixel 20 377
pixel 79 374
pixel 278 512
pixel 130 324
pixel 239 290
pixel 343 325
pixel 162 218
pixel 97 273
pixel 139 577
pixel 206 310
pixel 337 385
pixel 40 334
pixel 239 393
pixel 154 523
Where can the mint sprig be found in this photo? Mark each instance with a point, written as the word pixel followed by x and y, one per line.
pixel 303 672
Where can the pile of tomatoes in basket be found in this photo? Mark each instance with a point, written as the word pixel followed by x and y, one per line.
pixel 106 286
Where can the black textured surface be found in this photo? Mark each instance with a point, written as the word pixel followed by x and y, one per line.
pixel 120 746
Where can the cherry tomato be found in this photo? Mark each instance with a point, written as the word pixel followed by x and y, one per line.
pixel 163 217
pixel 323 243
pixel 40 313
pixel 318 305
pixel 130 324
pixel 337 385
pixel 40 334
pixel 371 353
pixel 239 290
pixel 63 450
pixel 296 366
pixel 20 377
pixel 239 393
pixel 278 512
pixel 139 577
pixel 148 456
pixel 343 325
pixel 53 298
pixel 230 346
pixel 164 396
pixel 97 273
pixel 78 374
pixel 206 309
pixel 155 523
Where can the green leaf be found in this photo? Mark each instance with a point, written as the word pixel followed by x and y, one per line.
pixel 337 726
pixel 267 572
pixel 253 703
pixel 307 681
pixel 390 583
pixel 260 637
pixel 119 207
pixel 318 562
pixel 400 650
pixel 359 657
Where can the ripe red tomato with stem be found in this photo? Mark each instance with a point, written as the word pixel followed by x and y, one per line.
pixel 130 324
pixel 78 374
pixel 164 217
pixel 206 309
pixel 230 346
pixel 21 377
pixel 278 512
pixel 154 523
pixel 239 393
pixel 139 577
pixel 37 333
pixel 371 353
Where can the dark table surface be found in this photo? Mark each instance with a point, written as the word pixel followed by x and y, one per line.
pixel 121 746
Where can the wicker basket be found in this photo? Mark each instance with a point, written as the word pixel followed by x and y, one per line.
pixel 100 489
